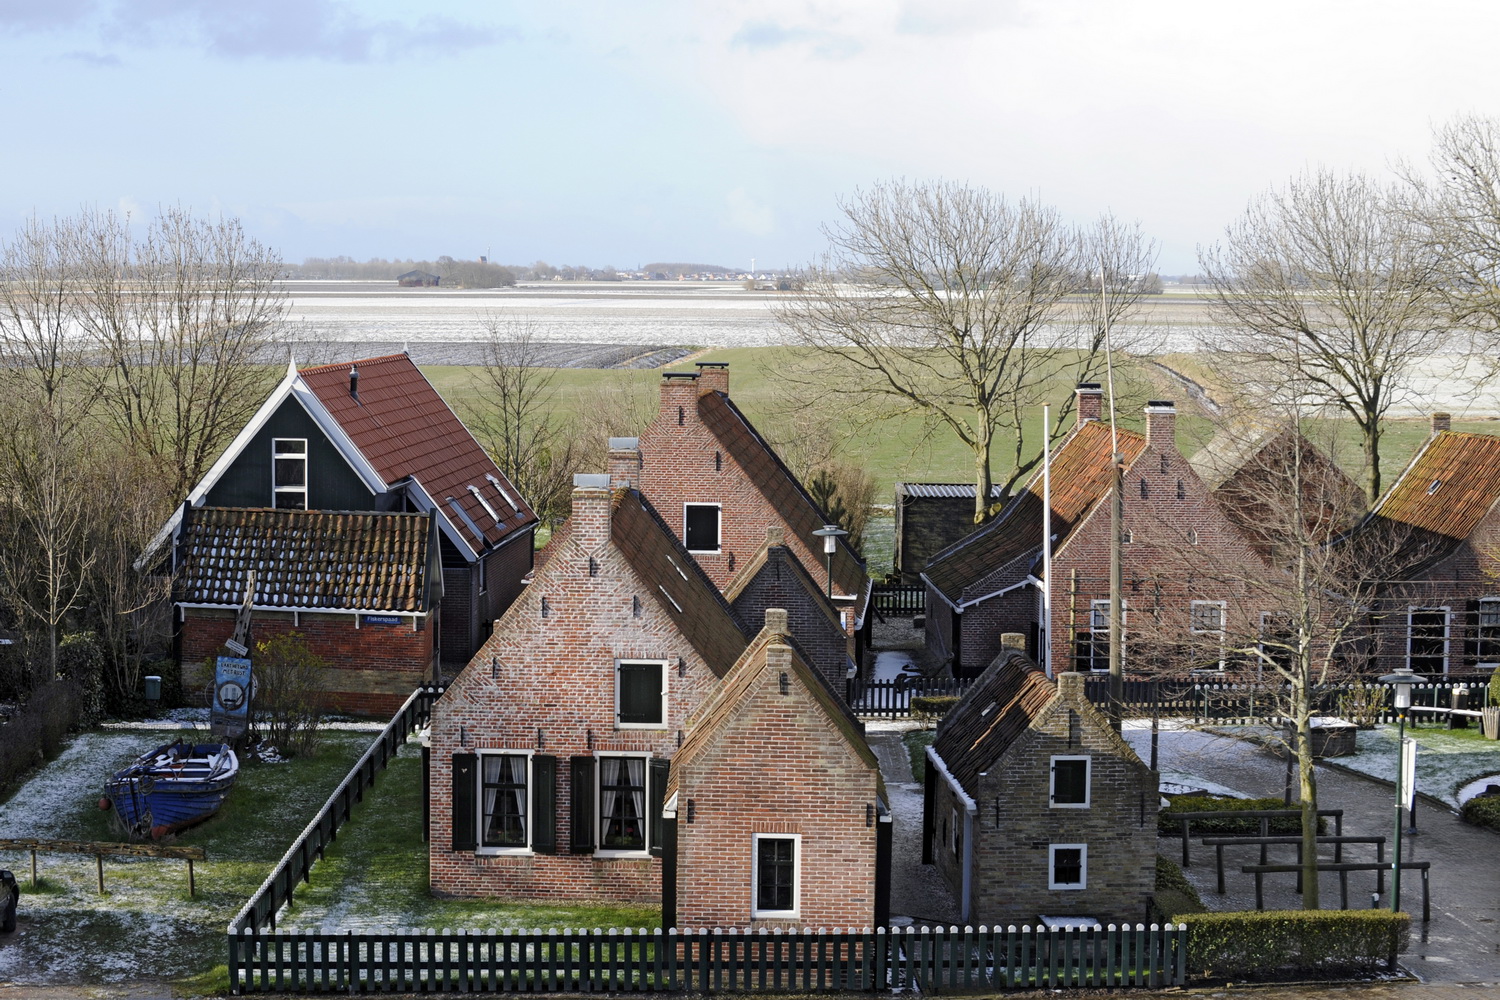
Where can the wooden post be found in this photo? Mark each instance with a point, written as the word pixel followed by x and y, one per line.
pixel 192 885
pixel 99 859
pixel 33 867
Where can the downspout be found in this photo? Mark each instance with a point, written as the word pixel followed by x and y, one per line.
pixel 971 808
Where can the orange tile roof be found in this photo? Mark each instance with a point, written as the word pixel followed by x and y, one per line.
pixel 404 428
pixel 1466 471
pixel 1081 478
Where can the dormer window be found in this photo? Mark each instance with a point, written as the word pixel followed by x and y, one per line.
pixel 289 473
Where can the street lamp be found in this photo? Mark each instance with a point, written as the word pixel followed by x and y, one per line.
pixel 830 534
pixel 1403 679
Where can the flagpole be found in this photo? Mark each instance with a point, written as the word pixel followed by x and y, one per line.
pixel 1047 538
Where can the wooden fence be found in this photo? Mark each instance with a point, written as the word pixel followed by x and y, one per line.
pixel 892 699
pixel 899 601
pixel 931 960
pixel 1203 699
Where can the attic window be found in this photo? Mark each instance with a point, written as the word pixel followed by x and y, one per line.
pixel 1437 484
pixel 1192 537
pixel 1181 490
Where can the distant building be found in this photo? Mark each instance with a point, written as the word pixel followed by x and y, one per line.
pixel 929 518
pixel 418 279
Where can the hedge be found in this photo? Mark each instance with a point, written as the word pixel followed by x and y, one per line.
pixel 1275 942
pixel 1483 812
pixel 1174 893
pixel 1168 825
pixel 36 732
pixel 933 706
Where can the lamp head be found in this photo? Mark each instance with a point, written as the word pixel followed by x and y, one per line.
pixel 1402 680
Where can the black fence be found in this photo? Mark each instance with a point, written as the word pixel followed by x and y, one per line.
pixel 891 699
pixel 931 960
pixel 898 601
pixel 1202 699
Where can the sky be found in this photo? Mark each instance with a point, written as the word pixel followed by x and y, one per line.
pixel 708 131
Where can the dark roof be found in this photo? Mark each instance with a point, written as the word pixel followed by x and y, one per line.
pixel 405 429
pixel 724 706
pixel 1000 706
pixel 776 482
pixel 305 559
pixel 1080 479
pixel 946 491
pixel 676 581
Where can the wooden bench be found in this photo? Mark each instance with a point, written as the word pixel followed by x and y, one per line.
pixel 100 849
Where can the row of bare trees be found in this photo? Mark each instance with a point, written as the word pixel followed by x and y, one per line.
pixel 129 357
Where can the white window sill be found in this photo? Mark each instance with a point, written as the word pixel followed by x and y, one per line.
pixel 658 726
pixel 505 852
pixel 1070 805
pixel 1067 887
pixel 774 914
pixel 610 854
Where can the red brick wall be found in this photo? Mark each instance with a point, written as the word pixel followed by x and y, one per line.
pixel 827 646
pixel 557 674
pixel 372 669
pixel 776 767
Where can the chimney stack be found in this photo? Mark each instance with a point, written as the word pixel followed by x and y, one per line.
pixel 1090 401
pixel 592 500
pixel 1442 422
pixel 354 381
pixel 624 463
pixel 713 376
pixel 679 398
pixel 1161 423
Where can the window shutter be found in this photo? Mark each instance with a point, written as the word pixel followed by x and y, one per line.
pixel 656 791
pixel 544 804
pixel 582 800
pixel 465 793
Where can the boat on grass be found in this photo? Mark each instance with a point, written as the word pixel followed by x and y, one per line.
pixel 172 787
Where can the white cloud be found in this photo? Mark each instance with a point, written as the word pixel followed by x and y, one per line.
pixel 747 214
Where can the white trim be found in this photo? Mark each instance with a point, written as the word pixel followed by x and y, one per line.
pixel 936 760
pixel 445 518
pixel 1083 866
pixel 600 851
pixel 1088 781
pixel 276 488
pixel 662 664
pixel 1028 581
pixel 1223 607
pixel 718 526
pixel 759 914
pixel 1447 610
pixel 493 851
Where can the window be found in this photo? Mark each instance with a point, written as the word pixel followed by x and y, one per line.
pixel 1093 644
pixel 1068 866
pixel 504 820
pixel 1487 633
pixel 776 875
pixel 622 803
pixel 289 473
pixel 640 694
pixel 700 527
pixel 1206 619
pixel 1427 640
pixel 1070 782
pixel 1207 616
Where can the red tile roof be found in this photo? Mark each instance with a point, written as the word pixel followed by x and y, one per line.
pixel 1081 477
pixel 404 428
pixel 1452 483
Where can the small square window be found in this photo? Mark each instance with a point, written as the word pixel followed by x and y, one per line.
pixel 700 527
pixel 776 875
pixel 1070 782
pixel 1207 616
pixel 640 694
pixel 1068 866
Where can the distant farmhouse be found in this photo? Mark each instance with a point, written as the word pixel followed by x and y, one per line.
pixel 418 279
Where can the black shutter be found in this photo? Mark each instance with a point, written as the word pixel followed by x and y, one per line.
pixel 582 805
pixel 465 796
pixel 656 791
pixel 544 803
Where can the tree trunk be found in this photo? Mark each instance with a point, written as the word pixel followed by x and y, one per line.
pixel 1307 793
pixel 1371 432
pixel 982 480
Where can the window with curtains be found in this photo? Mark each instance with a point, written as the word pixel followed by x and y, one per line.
pixel 622 803
pixel 503 801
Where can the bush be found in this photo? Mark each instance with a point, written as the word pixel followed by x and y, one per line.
pixel 1272 942
pixel 288 693
pixel 80 659
pixel 931 707
pixel 1483 812
pixel 1174 893
pixel 36 732
pixel 1495 687
pixel 1168 825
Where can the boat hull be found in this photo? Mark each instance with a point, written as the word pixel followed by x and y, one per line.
pixel 172 787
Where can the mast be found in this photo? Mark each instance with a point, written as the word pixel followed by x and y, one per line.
pixel 1046 636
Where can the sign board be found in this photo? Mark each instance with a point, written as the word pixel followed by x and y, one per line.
pixel 1408 772
pixel 381 619
pixel 232 688
pixel 238 649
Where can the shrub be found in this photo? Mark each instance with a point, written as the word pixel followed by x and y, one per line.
pixel 1174 893
pixel 929 708
pixel 1167 823
pixel 36 731
pixel 1495 687
pixel 80 659
pixel 1483 812
pixel 1270 942
pixel 289 693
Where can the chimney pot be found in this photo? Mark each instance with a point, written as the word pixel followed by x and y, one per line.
pixel 1442 422
pixel 624 462
pixel 354 380
pixel 713 376
pixel 1090 401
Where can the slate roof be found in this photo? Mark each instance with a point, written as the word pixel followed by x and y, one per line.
pixel 1452 483
pixel 405 429
pixel 305 560
pixel 765 469
pixel 753 567
pixel 1081 477
pixel 676 581
pixel 1000 706
pixel 945 491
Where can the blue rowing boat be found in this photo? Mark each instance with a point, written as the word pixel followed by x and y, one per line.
pixel 172 787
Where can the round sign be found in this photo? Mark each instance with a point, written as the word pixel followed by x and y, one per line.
pixel 231 696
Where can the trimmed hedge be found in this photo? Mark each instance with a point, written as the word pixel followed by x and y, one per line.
pixel 1274 942
pixel 1174 893
pixel 1483 812
pixel 36 732
pixel 933 706
pixel 1168 825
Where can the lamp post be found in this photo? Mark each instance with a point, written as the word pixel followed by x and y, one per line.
pixel 1402 679
pixel 830 534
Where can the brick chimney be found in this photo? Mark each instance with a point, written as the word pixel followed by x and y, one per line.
pixel 1442 422
pixel 679 398
pixel 1161 423
pixel 592 501
pixel 624 463
pixel 713 376
pixel 1090 401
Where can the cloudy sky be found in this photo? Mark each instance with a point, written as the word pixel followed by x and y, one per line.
pixel 711 131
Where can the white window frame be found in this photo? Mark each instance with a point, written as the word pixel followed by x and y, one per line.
pixel 1083 866
pixel 662 664
pixel 495 850
pixel 1095 630
pixel 1088 782
pixel 276 490
pixel 756 913
pixel 1480 611
pixel 718 532
pixel 600 851
pixel 1412 611
pixel 1193 628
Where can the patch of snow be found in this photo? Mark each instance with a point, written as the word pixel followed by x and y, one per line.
pixel 1477 786
pixel 893 664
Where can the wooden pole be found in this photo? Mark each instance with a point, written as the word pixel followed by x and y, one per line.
pixel 99 860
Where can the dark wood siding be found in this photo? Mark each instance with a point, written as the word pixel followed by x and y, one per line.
pixel 331 483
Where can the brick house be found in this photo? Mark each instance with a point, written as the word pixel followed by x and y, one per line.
pixel 1034 806
pixel 929 518
pixel 361 589
pixel 719 484
pixel 1440 611
pixel 374 436
pixel 775 806
pixel 991 582
pixel 549 750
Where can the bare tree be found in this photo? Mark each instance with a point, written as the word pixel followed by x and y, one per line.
pixel 951 302
pixel 1325 292
pixel 40 342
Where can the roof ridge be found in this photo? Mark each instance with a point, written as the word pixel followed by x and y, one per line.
pixel 328 366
